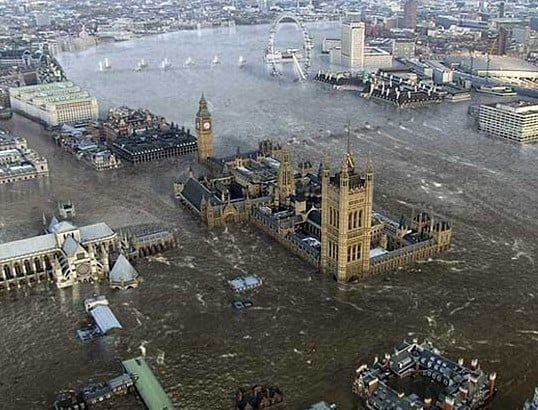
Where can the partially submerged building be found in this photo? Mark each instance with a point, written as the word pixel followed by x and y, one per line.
pixel 101 314
pixel 124 121
pixel 17 161
pixel 123 275
pixel 154 144
pixel 79 141
pixel 242 283
pixel 417 376
pixel 516 121
pixel 326 218
pixel 147 385
pixel 532 404
pixel 54 103
pixel 65 254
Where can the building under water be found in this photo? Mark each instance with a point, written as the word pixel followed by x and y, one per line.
pixel 326 218
pixel 417 376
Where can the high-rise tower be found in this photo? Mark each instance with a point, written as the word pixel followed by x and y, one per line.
pixel 352 51
pixel 410 14
pixel 286 177
pixel 346 221
pixel 204 131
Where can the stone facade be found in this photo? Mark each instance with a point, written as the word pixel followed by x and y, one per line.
pixel 65 254
pixel 327 219
pixel 18 162
pixel 204 131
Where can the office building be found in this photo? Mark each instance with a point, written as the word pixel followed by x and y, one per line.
pixel 352 47
pixel 18 162
pixel 516 121
pixel 403 48
pixel 410 14
pixel 54 103
pixel 502 41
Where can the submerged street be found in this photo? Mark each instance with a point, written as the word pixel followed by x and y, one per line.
pixel 305 333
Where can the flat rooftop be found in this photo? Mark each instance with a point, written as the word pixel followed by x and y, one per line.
pixel 60 92
pixel 375 51
pixel 154 141
pixel 480 62
pixel 518 107
pixel 147 385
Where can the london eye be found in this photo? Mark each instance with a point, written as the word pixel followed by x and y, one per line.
pixel 300 58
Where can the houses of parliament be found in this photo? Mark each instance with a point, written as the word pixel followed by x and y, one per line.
pixel 325 217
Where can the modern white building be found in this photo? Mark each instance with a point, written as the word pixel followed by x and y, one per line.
pixel 351 51
pixel 55 103
pixel 375 57
pixel 516 121
pixel 352 47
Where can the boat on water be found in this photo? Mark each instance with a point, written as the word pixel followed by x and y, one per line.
pixel 241 62
pixel 500 90
pixel 215 60
pixel 189 62
pixel 140 65
pixel 258 397
pixel 104 65
pixel 166 64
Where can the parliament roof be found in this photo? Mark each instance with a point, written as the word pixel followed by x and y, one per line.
pixel 194 191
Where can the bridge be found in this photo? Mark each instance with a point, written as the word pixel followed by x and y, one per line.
pixel 299 57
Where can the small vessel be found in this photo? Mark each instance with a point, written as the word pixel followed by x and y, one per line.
pixel 189 62
pixel 140 65
pixel 499 90
pixel 166 64
pixel 106 64
pixel 215 60
pixel 100 66
pixel 242 61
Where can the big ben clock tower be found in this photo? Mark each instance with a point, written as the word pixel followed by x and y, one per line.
pixel 204 131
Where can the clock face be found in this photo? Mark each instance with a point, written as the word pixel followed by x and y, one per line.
pixel 207 125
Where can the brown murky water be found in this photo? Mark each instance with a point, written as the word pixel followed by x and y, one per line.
pixel 305 333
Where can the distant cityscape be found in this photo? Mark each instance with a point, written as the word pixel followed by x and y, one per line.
pixel 401 55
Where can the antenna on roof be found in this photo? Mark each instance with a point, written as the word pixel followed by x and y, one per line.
pixel 348 129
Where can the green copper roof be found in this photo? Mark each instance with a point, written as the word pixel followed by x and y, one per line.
pixel 147 384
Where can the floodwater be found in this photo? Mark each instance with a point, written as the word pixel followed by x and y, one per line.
pixel 306 333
